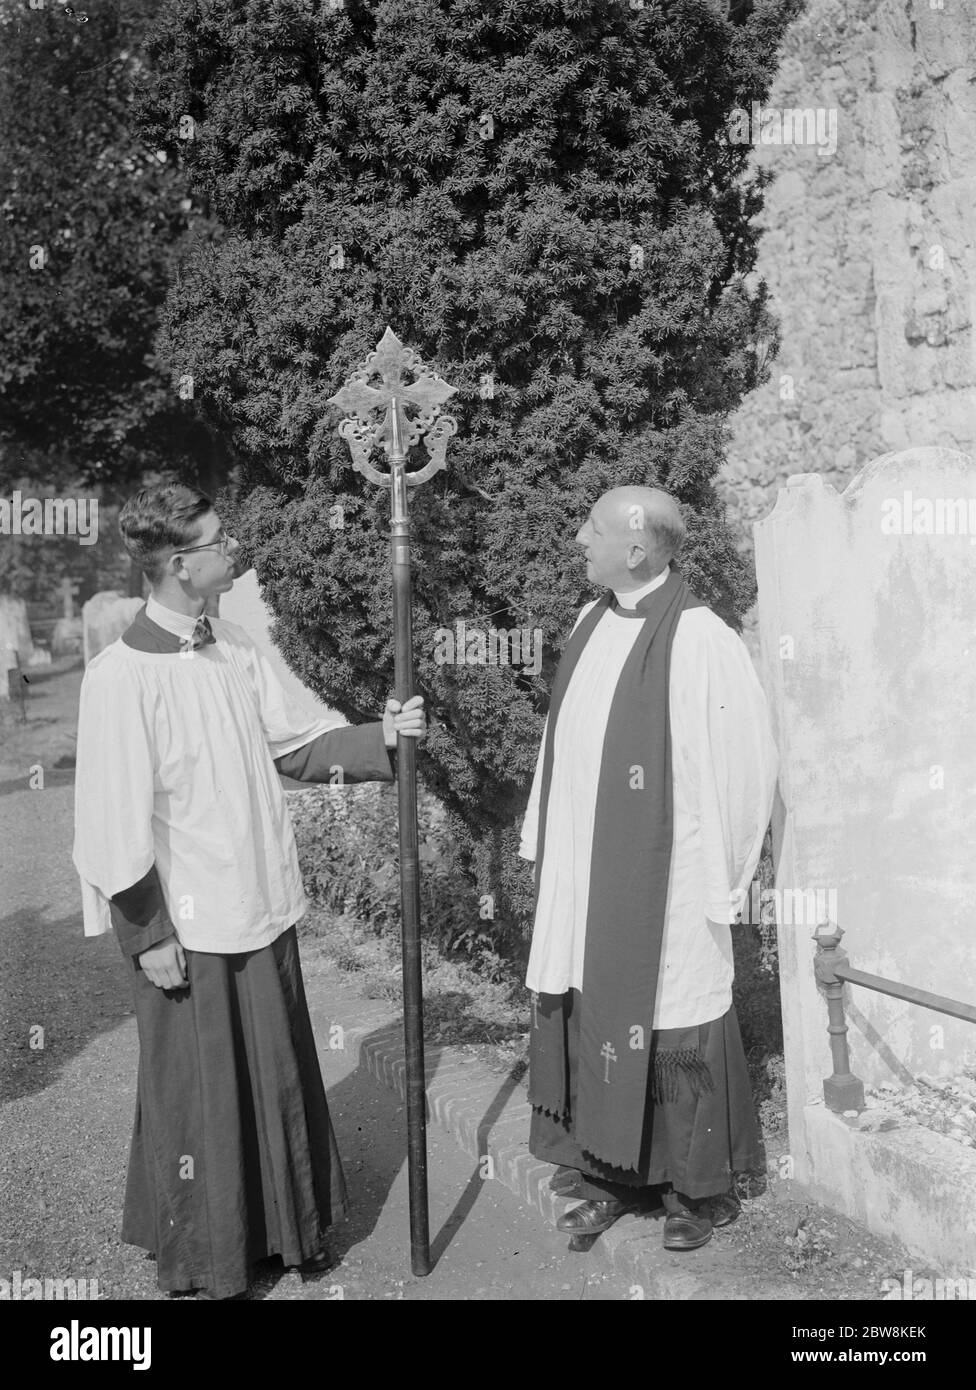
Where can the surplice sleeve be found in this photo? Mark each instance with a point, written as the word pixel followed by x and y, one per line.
pixel 114 789
pixel 306 746
pixel 528 846
pixel 728 756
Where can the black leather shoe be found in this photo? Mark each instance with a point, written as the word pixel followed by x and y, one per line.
pixel 684 1229
pixel 590 1218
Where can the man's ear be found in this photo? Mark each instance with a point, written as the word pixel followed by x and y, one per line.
pixel 636 555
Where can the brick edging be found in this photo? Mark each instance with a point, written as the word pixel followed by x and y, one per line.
pixel 461 1094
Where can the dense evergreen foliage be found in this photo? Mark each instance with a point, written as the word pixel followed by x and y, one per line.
pixel 541 198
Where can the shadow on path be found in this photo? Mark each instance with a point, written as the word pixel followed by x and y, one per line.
pixel 388 1041
pixel 54 978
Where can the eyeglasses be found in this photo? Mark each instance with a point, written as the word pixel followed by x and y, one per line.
pixel 221 541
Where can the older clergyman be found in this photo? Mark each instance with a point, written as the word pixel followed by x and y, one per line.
pixel 184 844
pixel 651 797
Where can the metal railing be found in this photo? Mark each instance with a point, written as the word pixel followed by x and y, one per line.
pixel 842 1089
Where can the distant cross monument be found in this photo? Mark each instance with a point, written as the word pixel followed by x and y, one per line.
pixel 69 587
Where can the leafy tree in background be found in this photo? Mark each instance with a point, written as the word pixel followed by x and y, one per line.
pixel 91 222
pixel 540 196
pixel 33 566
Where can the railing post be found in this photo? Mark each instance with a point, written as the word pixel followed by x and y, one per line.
pixel 842 1089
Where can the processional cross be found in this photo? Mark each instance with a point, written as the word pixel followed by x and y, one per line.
pixel 379 417
pixel 396 431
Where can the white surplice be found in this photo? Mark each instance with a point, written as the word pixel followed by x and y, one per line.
pixel 175 767
pixel 724 766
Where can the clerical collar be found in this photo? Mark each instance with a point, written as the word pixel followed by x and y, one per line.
pixel 179 624
pixel 632 597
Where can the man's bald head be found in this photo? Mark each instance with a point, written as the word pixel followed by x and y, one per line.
pixel 654 515
pixel 630 536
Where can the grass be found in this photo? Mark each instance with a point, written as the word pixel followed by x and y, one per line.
pixel 461 1006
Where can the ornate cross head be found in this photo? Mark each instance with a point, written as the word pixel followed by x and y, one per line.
pixel 378 397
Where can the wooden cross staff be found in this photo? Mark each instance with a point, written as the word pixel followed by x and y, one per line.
pixel 377 417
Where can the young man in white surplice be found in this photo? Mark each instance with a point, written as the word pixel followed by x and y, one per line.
pixel 184 845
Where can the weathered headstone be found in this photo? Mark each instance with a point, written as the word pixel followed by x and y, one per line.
pixel 867 612
pixel 16 644
pixel 104 618
pixel 67 636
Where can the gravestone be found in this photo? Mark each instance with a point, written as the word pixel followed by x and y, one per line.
pixel 16 644
pixel 867 618
pixel 104 618
pixel 67 637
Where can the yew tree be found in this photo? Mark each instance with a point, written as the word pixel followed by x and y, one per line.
pixel 541 198
pixel 92 219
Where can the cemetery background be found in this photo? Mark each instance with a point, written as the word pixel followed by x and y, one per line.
pixel 92 224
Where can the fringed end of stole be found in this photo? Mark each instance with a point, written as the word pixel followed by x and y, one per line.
pixel 665 1069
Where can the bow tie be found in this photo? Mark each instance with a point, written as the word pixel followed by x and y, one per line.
pixel 200 636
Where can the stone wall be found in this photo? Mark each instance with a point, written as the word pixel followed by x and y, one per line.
pixel 867 613
pixel 869 252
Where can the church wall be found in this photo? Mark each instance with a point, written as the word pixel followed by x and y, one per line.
pixel 869 252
